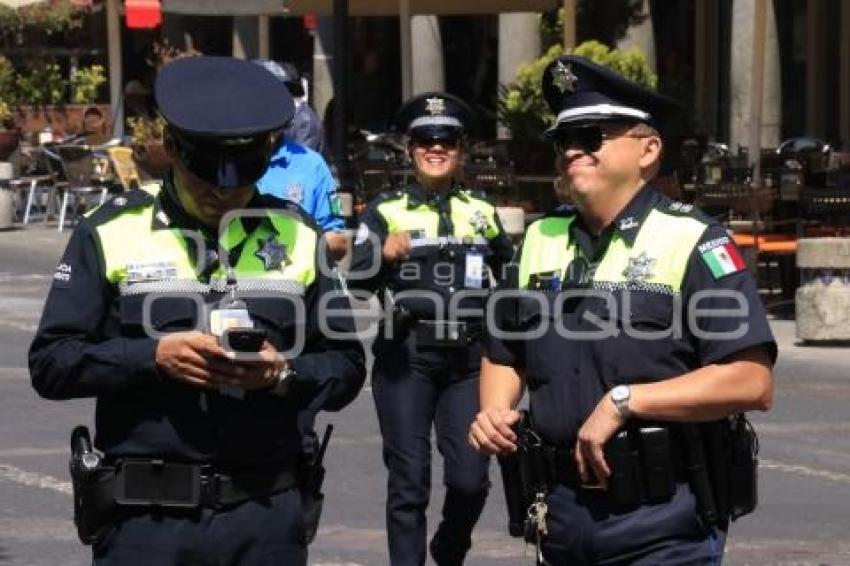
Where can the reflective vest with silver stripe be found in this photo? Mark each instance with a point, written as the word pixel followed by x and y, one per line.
pixel 140 259
pixel 547 248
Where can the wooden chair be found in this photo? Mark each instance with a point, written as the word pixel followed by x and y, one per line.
pixel 124 167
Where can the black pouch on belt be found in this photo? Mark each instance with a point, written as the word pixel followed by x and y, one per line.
pixel 743 467
pixel 624 485
pixel 658 465
pixel 94 488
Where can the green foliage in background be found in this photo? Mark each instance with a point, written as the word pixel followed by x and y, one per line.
pixel 144 131
pixel 50 17
pixel 44 84
pixel 85 84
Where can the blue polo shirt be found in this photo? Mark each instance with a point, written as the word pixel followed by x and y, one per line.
pixel 299 174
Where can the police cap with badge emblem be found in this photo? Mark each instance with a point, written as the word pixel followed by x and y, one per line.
pixel 435 116
pixel 579 91
pixel 224 116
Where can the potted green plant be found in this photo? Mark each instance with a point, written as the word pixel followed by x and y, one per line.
pixel 9 132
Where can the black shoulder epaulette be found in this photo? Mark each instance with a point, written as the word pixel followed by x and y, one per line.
pixel 562 210
pixel 678 208
pixel 117 205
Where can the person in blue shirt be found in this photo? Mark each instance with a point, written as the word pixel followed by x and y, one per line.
pixel 301 175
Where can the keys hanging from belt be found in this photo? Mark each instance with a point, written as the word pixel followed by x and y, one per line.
pixel 536 525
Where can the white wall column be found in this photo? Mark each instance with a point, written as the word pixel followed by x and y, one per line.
pixel 641 36
pixel 245 37
pixel 428 70
pixel 741 83
pixel 519 43
pixel 263 38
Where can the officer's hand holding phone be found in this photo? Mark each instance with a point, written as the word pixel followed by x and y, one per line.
pixel 256 363
pixel 192 357
pixel 199 360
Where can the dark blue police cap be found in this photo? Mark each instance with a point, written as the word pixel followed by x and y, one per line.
pixel 578 90
pixel 223 114
pixel 434 114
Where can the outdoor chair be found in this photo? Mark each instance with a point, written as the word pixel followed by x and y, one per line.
pixel 82 181
pixel 123 166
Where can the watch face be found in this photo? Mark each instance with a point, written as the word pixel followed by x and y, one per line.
pixel 620 393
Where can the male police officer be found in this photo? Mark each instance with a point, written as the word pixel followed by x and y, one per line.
pixel 207 447
pixel 606 280
pixel 429 244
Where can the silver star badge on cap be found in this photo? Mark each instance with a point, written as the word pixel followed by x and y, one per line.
pixel 272 252
pixel 435 106
pixel 639 268
pixel 563 77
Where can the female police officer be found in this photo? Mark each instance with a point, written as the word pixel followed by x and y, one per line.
pixel 206 448
pixel 429 245
pixel 620 288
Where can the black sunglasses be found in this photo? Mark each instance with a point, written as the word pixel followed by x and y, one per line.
pixel 445 140
pixel 588 139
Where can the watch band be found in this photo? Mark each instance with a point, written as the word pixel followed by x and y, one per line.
pixel 620 396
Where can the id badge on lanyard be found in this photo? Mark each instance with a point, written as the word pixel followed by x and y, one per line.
pixel 232 313
pixel 474 278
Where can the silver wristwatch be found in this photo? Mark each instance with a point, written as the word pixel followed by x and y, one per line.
pixel 284 380
pixel 620 396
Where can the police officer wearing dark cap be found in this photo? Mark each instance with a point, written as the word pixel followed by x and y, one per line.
pixel 306 127
pixel 636 364
pixel 181 311
pixel 430 250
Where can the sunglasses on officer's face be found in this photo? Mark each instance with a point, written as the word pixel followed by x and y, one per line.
pixel 589 138
pixel 449 141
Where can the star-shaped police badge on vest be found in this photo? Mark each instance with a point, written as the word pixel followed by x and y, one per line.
pixel 272 252
pixel 563 78
pixel 479 222
pixel 639 268
pixel 435 106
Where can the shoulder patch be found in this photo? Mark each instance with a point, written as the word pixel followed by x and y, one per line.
pixel 132 199
pixel 722 257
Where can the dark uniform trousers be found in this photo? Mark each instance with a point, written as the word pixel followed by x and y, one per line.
pixel 413 387
pixel 581 521
pixel 209 537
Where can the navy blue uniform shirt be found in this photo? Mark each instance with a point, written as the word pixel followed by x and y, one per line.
pixel 567 378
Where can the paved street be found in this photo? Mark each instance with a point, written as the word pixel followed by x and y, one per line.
pixel 805 472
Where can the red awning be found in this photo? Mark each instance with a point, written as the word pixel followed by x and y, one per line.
pixel 143 14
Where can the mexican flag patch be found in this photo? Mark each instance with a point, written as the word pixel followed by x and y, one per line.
pixel 723 259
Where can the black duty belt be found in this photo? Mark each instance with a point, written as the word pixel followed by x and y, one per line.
pixel 156 483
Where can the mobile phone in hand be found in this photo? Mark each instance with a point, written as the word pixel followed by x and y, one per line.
pixel 243 339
